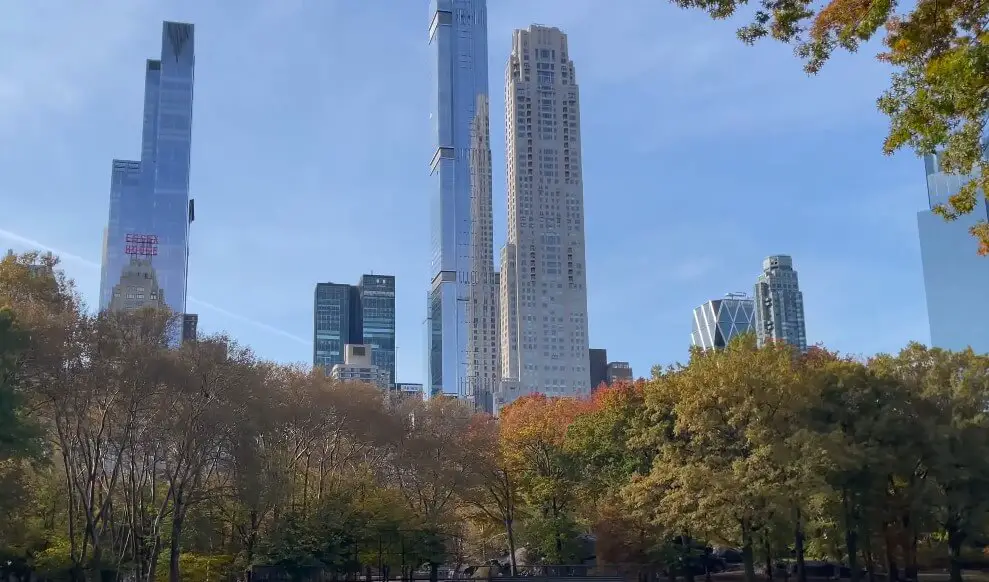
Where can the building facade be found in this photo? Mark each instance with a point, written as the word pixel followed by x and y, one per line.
pixel 599 367
pixel 619 372
pixel 336 323
pixel 376 313
pixel 779 304
pixel 955 276
pixel 358 366
pixel 719 320
pixel 147 233
pixel 543 279
pixel 461 314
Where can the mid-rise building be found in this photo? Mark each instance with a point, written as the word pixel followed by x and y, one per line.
pixel 358 366
pixel 955 276
pixel 717 321
pixel 146 240
pixel 619 372
pixel 355 314
pixel 779 304
pixel 462 307
pixel 543 270
pixel 409 390
pixel 598 366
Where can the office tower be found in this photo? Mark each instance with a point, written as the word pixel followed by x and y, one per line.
pixel 955 276
pixel 599 367
pixel 358 366
pixel 719 320
pixel 376 319
pixel 146 241
pixel 355 314
pixel 335 323
pixel 543 279
pixel 619 372
pixel 779 304
pixel 461 324
pixel 190 327
pixel 408 390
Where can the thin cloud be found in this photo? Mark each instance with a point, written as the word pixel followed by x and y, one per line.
pixel 76 259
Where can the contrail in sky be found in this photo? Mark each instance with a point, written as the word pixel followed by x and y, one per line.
pixel 74 258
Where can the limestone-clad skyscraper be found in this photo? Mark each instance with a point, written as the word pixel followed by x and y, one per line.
pixel 543 280
pixel 461 316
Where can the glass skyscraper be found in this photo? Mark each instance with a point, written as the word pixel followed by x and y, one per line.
pixel 719 320
pixel 462 307
pixel 956 278
pixel 779 304
pixel 355 314
pixel 376 300
pixel 146 241
pixel 336 323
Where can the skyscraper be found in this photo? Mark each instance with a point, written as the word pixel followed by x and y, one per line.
pixel 598 367
pixel 779 304
pixel 719 320
pixel 362 314
pixel 461 324
pixel 955 276
pixel 146 241
pixel 543 280
pixel 376 311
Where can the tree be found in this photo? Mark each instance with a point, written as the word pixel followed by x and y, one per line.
pixel 939 92
pixel 533 430
pixel 18 434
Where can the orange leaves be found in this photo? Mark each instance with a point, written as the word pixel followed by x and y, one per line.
pixel 537 417
pixel 839 16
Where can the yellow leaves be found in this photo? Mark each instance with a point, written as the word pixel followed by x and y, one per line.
pixel 839 16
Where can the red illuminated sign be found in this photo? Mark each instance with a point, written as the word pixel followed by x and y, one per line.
pixel 143 245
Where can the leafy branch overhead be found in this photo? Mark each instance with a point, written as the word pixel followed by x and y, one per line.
pixel 938 99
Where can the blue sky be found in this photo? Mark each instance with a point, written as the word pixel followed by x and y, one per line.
pixel 311 148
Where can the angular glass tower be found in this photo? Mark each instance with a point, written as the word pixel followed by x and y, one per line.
pixel 146 241
pixel 956 278
pixel 462 311
pixel 719 320
pixel 779 304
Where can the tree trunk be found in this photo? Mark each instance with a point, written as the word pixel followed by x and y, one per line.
pixel 909 544
pixel 798 545
pixel 769 556
pixel 434 572
pixel 175 545
pixel 851 538
pixel 747 559
pixel 892 572
pixel 955 539
pixel 688 562
pixel 510 531
pixel 867 557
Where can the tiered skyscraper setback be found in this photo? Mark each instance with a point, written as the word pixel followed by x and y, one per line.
pixel 462 308
pixel 146 241
pixel 719 320
pixel 543 277
pixel 956 278
pixel 779 304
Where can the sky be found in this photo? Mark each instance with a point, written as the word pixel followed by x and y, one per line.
pixel 311 151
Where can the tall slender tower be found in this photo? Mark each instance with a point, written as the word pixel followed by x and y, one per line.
pixel 146 241
pixel 779 304
pixel 461 324
pixel 955 276
pixel 543 280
